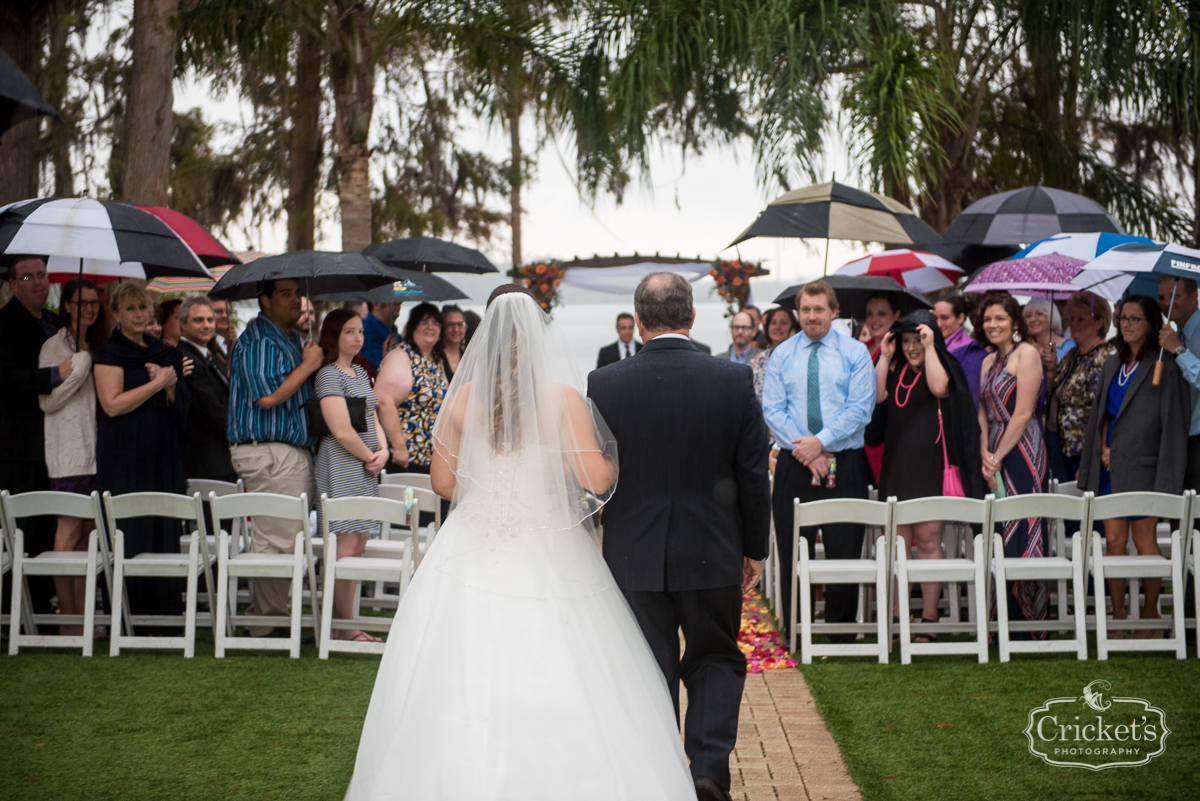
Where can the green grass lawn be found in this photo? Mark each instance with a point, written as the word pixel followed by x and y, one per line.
pixel 262 726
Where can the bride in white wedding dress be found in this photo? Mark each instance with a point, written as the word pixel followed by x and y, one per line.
pixel 514 670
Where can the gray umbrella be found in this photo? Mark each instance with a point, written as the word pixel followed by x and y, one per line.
pixel 1022 216
pixel 319 273
pixel 409 287
pixel 853 292
pixel 19 98
pixel 427 254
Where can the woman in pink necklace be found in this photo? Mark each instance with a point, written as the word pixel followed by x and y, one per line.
pixel 925 419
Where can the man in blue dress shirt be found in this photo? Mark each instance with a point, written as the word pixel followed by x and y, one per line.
pixel 818 395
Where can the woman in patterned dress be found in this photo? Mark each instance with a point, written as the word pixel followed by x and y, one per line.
pixel 411 386
pixel 1012 445
pixel 1075 384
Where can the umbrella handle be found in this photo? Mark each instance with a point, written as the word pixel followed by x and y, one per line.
pixel 1158 371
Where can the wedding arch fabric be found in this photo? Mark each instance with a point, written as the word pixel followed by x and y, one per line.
pixel 514 669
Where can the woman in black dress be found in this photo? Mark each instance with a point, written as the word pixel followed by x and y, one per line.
pixel 923 417
pixel 139 438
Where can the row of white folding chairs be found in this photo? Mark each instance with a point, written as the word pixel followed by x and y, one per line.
pixel 233 559
pixel 989 563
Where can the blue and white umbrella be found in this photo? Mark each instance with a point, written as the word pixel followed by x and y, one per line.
pixel 1080 246
pixel 1110 274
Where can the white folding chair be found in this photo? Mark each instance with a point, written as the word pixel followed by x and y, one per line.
pixel 232 565
pixel 840 571
pixel 428 499
pixel 239 532
pixel 191 565
pixel 96 559
pixel 384 565
pixel 1104 567
pixel 1061 568
pixel 416 481
pixel 972 572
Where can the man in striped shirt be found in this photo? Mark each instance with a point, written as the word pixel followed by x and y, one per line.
pixel 269 442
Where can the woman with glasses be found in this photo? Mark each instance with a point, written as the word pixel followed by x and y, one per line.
pixel 70 424
pixel 1075 383
pixel 1136 440
pixel 410 387
pixel 454 334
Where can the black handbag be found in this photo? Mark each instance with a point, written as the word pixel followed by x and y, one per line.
pixel 357 407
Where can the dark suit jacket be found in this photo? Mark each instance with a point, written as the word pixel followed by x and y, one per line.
pixel 205 448
pixel 22 432
pixel 700 346
pixel 692 494
pixel 611 354
pixel 1149 437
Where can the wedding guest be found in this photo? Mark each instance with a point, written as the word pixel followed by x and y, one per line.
pixel 1013 450
pixel 153 325
pixel 818 396
pixel 1045 333
pixel 882 313
pixel 24 328
pixel 410 387
pixel 780 325
pixel 759 340
pixel 971 353
pixel 139 438
pixel 1134 440
pixel 358 308
pixel 473 321
pixel 379 331
pixel 741 330
pixel 167 315
pixel 70 410
pixel 307 318
pixel 1075 383
pixel 454 331
pixel 624 347
pixel 268 432
pixel 926 421
pixel 206 446
pixel 349 461
pixel 951 314
pixel 221 344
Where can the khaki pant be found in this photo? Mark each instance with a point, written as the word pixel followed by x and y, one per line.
pixel 286 470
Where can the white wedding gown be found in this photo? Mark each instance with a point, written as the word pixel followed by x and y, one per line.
pixel 515 670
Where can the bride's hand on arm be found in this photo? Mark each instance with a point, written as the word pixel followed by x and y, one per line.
pixel 446 444
pixel 593 470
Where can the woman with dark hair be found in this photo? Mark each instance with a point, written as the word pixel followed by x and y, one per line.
pixel 882 313
pixel 779 325
pixel 454 333
pixel 70 424
pixel 348 461
pixel 1136 439
pixel 925 420
pixel 1013 450
pixel 411 386
pixel 139 437
pixel 167 315
pixel 472 320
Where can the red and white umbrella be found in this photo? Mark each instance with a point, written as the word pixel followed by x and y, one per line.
pixel 919 271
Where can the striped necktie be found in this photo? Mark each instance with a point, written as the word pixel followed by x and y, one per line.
pixel 815 423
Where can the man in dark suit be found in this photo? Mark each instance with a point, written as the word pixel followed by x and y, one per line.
pixel 206 449
pixel 624 347
pixel 686 530
pixel 24 328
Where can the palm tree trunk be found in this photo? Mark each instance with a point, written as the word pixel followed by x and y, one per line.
pixel 304 167
pixel 515 108
pixel 352 71
pixel 19 34
pixel 149 122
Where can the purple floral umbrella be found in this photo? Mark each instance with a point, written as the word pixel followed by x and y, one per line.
pixel 1046 276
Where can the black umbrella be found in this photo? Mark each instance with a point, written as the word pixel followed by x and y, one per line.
pixel 409 287
pixel 427 254
pixel 319 273
pixel 19 98
pixel 1023 216
pixel 853 291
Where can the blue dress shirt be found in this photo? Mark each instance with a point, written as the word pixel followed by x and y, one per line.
pixel 375 333
pixel 847 391
pixel 1189 363
pixel 263 357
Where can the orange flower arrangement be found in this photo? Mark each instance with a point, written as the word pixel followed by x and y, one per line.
pixel 543 279
pixel 733 282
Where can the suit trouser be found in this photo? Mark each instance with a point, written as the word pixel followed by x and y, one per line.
pixel 713 668
pixel 287 470
pixel 843 541
pixel 1191 481
pixel 18 477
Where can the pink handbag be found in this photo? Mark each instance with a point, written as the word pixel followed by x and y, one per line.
pixel 952 485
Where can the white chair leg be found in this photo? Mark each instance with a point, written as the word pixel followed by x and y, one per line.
pixel 297 596
pixel 118 594
pixel 903 609
pixel 1079 588
pixel 999 572
pixel 802 593
pixel 189 620
pixel 89 594
pixel 981 627
pixel 327 598
pixel 882 624
pixel 223 583
pixel 1101 610
pixel 18 571
pixel 1178 559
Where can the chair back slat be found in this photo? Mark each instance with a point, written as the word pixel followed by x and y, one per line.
pixel 955 510
pixel 206 485
pixel 59 504
pixel 1139 504
pixel 152 504
pixel 385 510
pixel 1045 504
pixel 407 479
pixel 262 504
pixel 1068 488
pixel 842 510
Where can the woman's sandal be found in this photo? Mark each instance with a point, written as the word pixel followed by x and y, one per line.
pixel 362 636
pixel 925 637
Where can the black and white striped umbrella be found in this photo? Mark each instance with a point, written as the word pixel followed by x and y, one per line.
pixel 99 238
pixel 1023 216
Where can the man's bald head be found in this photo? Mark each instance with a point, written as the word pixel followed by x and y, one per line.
pixel 663 302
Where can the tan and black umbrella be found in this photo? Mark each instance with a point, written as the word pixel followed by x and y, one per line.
pixel 836 211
